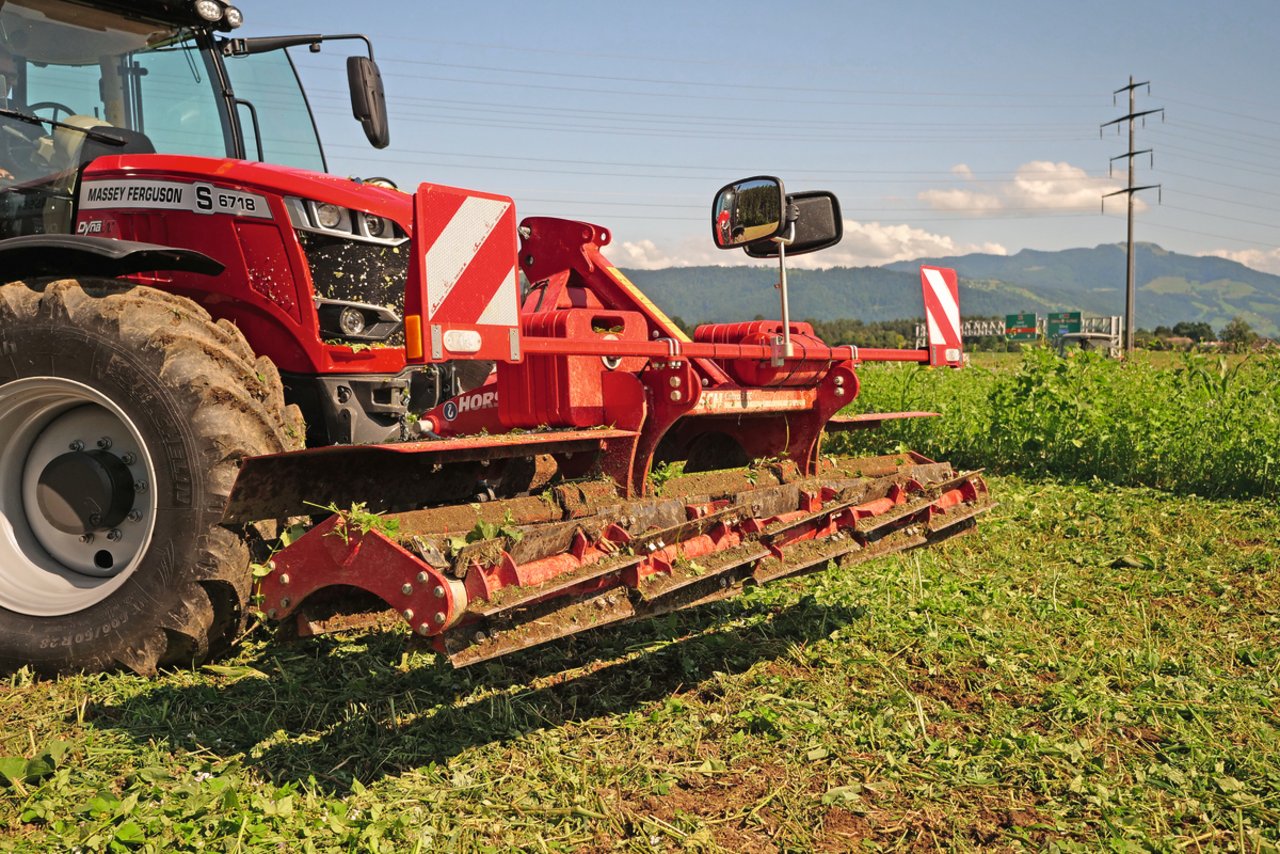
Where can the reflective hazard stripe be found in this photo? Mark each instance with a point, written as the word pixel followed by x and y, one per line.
pixel 458 244
pixel 941 306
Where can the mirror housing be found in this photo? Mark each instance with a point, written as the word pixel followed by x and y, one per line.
pixel 368 100
pixel 818 226
pixel 746 211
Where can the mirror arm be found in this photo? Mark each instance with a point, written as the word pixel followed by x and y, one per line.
pixel 783 243
pixel 265 44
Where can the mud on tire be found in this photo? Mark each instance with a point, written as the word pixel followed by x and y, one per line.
pixel 185 400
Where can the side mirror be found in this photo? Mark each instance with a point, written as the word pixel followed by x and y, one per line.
pixel 368 101
pixel 748 210
pixel 818 225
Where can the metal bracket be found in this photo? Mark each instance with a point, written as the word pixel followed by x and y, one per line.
pixel 437 342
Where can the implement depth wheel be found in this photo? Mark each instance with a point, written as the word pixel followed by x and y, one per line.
pixel 124 413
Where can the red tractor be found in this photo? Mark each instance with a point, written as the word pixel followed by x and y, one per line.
pixel 204 335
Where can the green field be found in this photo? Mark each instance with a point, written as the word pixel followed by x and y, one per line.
pixel 1096 667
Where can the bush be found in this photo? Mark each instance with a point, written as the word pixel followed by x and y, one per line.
pixel 1209 425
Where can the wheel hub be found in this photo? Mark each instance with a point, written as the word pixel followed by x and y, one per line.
pixel 75 520
pixel 84 491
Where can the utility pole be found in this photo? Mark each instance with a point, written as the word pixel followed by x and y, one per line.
pixel 1131 118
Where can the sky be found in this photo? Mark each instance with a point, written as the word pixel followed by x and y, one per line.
pixel 944 128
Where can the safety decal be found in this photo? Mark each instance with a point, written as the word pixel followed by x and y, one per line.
pixel 171 195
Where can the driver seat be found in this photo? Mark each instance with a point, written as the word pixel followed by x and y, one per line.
pixel 68 150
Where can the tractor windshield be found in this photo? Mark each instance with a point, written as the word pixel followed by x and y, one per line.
pixel 78 82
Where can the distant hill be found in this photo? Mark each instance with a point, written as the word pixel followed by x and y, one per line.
pixel 1171 288
pixel 721 294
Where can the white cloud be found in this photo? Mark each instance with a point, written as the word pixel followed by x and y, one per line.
pixel 865 244
pixel 872 243
pixel 1264 260
pixel 641 255
pixel 1036 185
pixel 960 200
pixel 1045 185
pixel 647 255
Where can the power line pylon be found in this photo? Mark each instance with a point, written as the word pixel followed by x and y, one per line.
pixel 1132 119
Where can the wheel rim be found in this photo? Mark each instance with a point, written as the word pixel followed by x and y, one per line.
pixel 65 447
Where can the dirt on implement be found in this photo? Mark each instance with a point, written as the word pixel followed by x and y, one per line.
pixel 514 574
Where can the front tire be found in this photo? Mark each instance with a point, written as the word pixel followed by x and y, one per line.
pixel 124 413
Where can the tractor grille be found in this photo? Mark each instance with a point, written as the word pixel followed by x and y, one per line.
pixel 355 271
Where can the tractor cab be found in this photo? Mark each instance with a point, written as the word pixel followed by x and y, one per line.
pixel 81 80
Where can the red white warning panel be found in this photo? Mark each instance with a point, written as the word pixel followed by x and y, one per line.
pixel 942 315
pixel 463 300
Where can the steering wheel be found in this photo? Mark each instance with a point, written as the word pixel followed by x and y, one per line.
pixel 56 106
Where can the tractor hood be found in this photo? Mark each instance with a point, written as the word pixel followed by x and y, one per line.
pixel 264 178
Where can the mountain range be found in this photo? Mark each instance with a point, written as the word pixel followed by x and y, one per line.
pixel 1171 287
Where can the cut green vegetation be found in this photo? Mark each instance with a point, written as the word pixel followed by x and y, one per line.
pixel 1097 667
pixel 1094 667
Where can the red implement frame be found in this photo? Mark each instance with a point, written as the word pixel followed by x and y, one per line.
pixel 591 351
pixel 676 394
pixel 490 600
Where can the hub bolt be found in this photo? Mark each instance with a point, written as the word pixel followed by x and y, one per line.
pixel 407 613
pixel 95 519
pixel 407 590
pixel 104 443
pixel 135 516
pixel 129 459
pixel 439 618
pixel 140 486
pixel 114 535
pixel 422 578
pixel 438 592
pixel 77 445
pixel 86 538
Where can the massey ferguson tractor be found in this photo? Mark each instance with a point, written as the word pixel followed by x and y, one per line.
pixel 207 340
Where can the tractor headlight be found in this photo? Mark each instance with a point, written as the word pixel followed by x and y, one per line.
pixel 374 225
pixel 351 321
pixel 356 321
pixel 210 10
pixel 329 216
pixel 233 17
pixel 338 221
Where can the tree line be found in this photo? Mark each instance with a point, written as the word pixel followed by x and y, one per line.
pixel 1236 335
